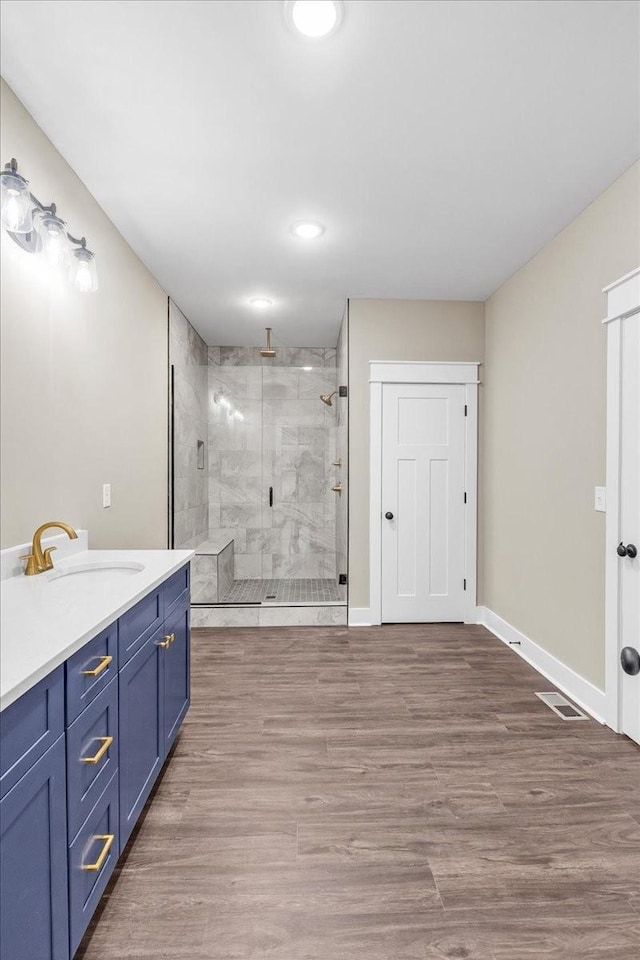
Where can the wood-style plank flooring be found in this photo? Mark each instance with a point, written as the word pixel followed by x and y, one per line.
pixel 379 794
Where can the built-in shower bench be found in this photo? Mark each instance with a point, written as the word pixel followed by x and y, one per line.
pixel 212 569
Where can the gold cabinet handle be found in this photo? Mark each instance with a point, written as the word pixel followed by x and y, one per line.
pixel 166 642
pixel 106 743
pixel 108 840
pixel 104 663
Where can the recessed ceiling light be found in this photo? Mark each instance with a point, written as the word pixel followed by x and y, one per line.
pixel 315 19
pixel 307 229
pixel 260 303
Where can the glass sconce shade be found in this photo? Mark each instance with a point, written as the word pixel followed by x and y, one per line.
pixel 35 227
pixel 15 202
pixel 54 237
pixel 83 273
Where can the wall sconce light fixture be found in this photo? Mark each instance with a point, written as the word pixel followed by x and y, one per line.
pixel 38 228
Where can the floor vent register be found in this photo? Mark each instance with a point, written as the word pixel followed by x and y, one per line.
pixel 563 707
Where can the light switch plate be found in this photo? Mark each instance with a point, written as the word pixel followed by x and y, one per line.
pixel 106 494
pixel 601 499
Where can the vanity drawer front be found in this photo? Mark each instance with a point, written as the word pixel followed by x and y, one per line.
pixel 139 623
pixel 90 670
pixel 176 590
pixel 92 755
pixel 92 857
pixel 29 727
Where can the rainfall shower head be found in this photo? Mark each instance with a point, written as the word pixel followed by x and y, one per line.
pixel 326 398
pixel 268 350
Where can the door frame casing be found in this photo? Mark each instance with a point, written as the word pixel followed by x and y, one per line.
pixel 623 300
pixel 419 372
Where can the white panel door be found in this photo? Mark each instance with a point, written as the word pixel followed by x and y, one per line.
pixel 423 508
pixel 630 527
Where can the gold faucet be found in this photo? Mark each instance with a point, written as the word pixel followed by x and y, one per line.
pixel 38 560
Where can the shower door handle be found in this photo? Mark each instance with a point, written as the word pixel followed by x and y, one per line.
pixel 270 496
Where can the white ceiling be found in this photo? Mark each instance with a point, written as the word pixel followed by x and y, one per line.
pixel 441 143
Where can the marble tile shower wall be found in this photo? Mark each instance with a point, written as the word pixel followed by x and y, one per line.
pixel 342 451
pixel 269 428
pixel 188 355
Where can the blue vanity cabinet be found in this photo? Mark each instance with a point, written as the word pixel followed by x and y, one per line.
pixel 33 862
pixel 79 755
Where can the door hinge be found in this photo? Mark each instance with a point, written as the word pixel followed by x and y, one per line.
pixel 342 579
pixel 466 412
pixel 465 496
pixel 465 584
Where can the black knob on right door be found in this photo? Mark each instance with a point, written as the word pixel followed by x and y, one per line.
pixel 630 550
pixel 630 661
pixel 389 515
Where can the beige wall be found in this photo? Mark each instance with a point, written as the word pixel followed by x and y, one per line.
pixel 84 376
pixel 435 330
pixel 544 449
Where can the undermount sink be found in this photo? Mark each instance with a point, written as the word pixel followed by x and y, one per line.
pixel 98 569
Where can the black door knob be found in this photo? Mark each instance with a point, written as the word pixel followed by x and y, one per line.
pixel 630 550
pixel 389 515
pixel 630 660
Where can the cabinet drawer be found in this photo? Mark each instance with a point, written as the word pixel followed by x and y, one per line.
pixel 137 624
pixel 29 727
pixel 90 670
pixel 92 857
pixel 176 589
pixel 89 765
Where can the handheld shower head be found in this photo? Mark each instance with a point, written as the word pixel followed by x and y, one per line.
pixel 326 398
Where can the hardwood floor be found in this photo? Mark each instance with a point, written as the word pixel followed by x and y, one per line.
pixel 379 794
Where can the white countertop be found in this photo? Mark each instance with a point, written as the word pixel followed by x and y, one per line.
pixel 44 619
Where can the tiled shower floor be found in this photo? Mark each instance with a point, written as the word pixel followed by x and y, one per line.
pixel 282 591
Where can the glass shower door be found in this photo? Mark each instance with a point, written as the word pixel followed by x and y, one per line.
pixel 298 454
pixel 272 467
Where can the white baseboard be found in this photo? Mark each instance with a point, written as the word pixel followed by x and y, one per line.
pixel 360 617
pixel 576 687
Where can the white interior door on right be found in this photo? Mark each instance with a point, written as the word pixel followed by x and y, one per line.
pixel 629 532
pixel 423 503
